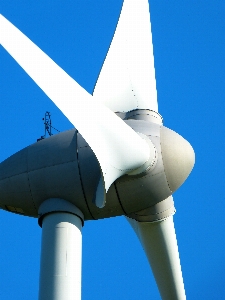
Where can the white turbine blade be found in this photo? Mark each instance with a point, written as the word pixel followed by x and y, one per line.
pixel 159 242
pixel 117 147
pixel 127 78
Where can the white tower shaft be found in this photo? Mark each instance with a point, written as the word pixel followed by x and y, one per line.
pixel 60 270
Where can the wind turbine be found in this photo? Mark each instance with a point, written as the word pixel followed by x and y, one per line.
pixel 123 161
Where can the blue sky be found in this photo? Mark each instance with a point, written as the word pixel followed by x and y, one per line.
pixel 189 43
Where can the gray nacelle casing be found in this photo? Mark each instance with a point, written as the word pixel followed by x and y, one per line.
pixel 64 166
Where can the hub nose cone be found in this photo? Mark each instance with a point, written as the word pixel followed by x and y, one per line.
pixel 178 157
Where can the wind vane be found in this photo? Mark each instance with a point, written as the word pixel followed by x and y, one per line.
pixel 48 126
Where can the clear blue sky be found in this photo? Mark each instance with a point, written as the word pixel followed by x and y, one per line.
pixel 189 44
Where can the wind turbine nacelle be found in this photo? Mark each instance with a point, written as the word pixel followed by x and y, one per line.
pixel 64 166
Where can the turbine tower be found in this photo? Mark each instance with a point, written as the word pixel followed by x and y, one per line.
pixel 120 159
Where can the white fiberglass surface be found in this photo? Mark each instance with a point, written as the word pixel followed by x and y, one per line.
pixel 117 147
pixel 160 245
pixel 127 78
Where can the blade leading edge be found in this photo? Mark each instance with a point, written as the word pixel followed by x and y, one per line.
pixel 117 147
pixel 160 245
pixel 127 78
